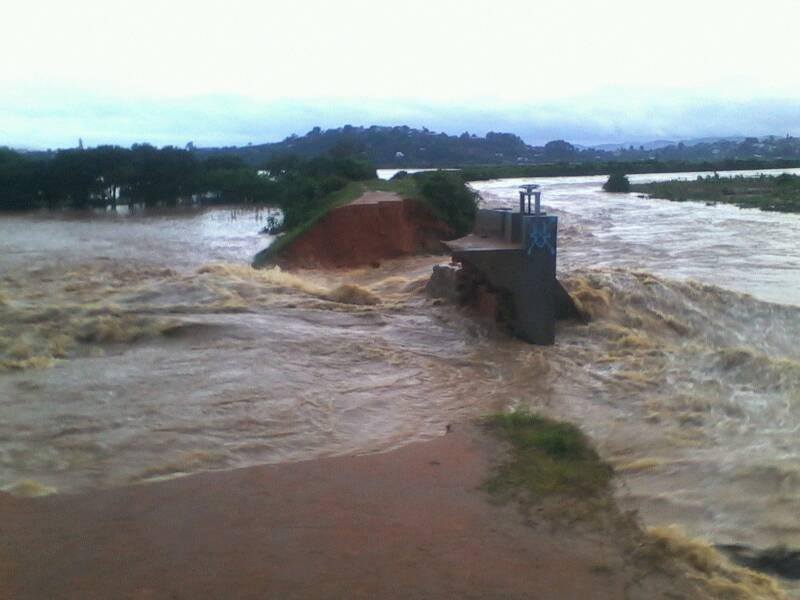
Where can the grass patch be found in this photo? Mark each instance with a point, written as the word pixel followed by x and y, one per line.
pixel 771 193
pixel 547 457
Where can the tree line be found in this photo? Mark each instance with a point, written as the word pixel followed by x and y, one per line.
pixel 146 175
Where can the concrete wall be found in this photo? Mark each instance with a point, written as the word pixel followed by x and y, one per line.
pixel 501 224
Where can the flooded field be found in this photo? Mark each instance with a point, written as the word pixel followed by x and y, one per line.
pixel 139 347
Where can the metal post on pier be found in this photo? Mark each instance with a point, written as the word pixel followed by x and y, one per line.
pixel 525 192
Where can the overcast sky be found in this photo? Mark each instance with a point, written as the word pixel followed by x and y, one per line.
pixel 241 71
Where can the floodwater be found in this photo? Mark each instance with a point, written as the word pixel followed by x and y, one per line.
pixel 139 347
pixel 693 353
pixel 748 251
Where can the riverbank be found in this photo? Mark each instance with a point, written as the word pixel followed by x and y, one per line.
pixel 770 193
pixel 575 169
pixel 412 523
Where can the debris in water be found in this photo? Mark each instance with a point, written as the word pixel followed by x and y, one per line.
pixel 28 488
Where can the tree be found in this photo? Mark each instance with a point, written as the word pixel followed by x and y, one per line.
pixel 617 182
pixel 18 181
pixel 450 199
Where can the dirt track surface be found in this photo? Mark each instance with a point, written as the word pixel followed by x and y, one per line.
pixel 375 197
pixel 407 524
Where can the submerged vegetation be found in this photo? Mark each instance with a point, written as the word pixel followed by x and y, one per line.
pixel 781 193
pixel 617 182
pixel 149 176
pixel 303 188
pixel 547 457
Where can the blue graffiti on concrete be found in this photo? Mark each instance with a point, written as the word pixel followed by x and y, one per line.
pixel 541 236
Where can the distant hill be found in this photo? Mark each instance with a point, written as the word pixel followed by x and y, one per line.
pixel 654 145
pixel 659 144
pixel 406 147
pixel 402 146
pixel 393 147
pixel 714 140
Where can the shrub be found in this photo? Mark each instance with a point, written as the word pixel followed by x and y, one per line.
pixel 617 182
pixel 450 199
pixel 333 183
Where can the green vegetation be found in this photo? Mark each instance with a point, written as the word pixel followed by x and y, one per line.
pixel 781 193
pixel 547 457
pixel 568 169
pixel 617 182
pixel 445 193
pixel 304 189
pixel 308 188
pixel 144 175
pixel 322 162
pixel 107 175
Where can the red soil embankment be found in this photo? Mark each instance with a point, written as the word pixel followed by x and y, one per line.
pixel 375 227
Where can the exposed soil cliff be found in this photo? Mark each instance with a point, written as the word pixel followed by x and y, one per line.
pixel 377 226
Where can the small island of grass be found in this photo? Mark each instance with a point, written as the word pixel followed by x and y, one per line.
pixel 771 193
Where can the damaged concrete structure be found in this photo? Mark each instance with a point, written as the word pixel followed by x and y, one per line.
pixel 510 261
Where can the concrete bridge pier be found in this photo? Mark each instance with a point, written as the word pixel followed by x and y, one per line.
pixel 535 298
pixel 513 254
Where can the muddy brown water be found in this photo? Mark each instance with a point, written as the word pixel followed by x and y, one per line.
pixel 142 346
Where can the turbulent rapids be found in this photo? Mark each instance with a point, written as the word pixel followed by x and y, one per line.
pixel 138 348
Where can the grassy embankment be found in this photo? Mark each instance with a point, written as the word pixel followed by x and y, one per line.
pixel 565 169
pixel 443 193
pixel 780 194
